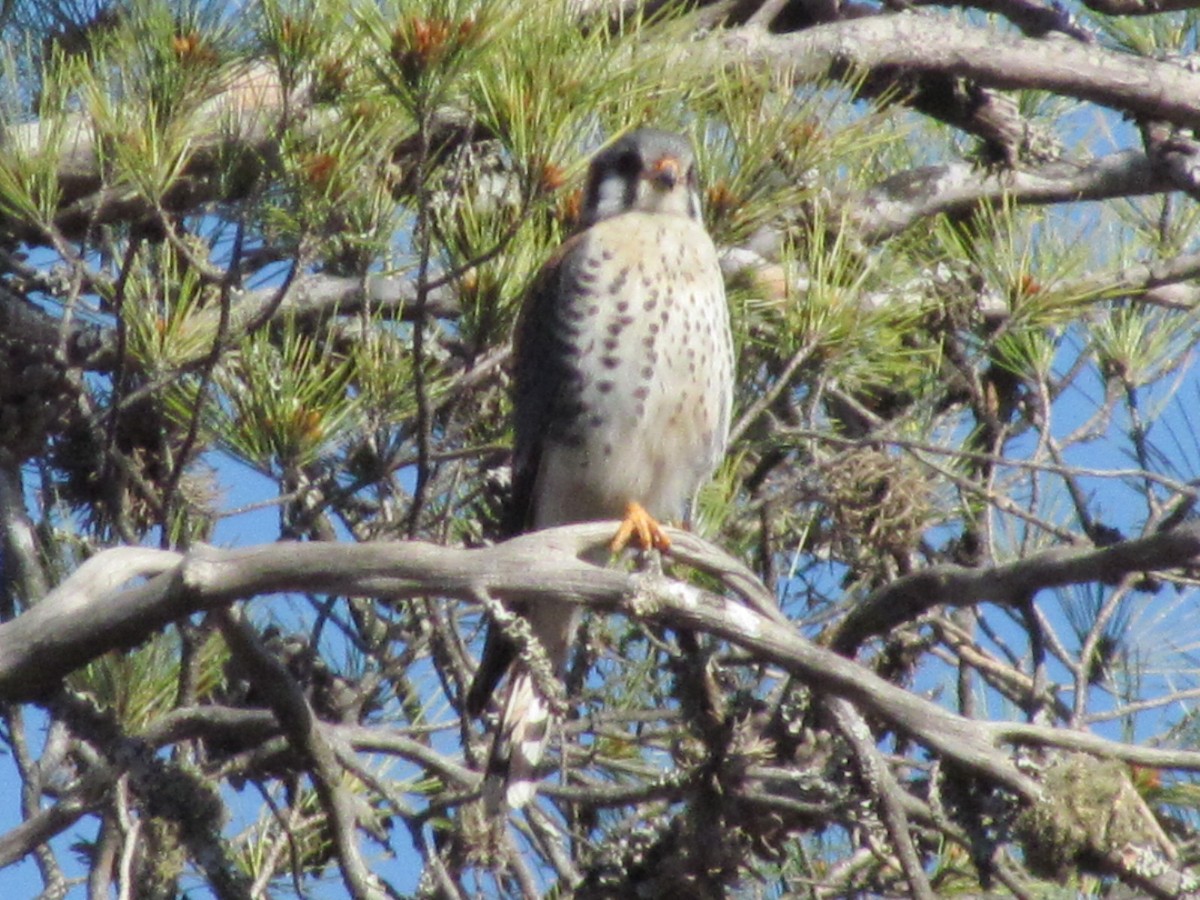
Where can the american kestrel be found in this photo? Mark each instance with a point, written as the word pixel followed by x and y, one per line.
pixel 623 382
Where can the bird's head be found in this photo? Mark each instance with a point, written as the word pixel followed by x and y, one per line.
pixel 647 170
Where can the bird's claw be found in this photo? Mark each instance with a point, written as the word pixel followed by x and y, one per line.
pixel 640 525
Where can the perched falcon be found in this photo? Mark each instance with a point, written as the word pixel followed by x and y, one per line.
pixel 623 381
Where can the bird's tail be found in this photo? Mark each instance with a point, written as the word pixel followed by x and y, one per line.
pixel 520 740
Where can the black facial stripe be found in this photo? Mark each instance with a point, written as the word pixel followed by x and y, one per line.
pixel 629 165
pixel 631 189
pixel 591 201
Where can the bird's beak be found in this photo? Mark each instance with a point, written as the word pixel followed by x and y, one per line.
pixel 666 173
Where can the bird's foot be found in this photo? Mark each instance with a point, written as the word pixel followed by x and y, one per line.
pixel 641 525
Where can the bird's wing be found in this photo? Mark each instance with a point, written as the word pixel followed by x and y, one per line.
pixel 539 379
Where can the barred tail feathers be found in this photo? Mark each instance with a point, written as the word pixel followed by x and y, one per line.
pixel 518 746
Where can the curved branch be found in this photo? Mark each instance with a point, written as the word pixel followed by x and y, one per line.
pixel 1124 82
pixel 907 598
pixel 85 616
pixel 903 200
pixel 961 739
pixel 74 623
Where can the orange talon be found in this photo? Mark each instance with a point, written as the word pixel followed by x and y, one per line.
pixel 640 524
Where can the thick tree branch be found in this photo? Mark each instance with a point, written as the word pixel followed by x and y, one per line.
pixel 84 617
pixel 74 623
pixel 907 598
pixel 1129 84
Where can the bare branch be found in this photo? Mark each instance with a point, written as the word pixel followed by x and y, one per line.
pixel 304 733
pixel 684 606
pixel 886 791
pixel 82 619
pixel 1124 82
pixel 957 188
pixel 908 597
